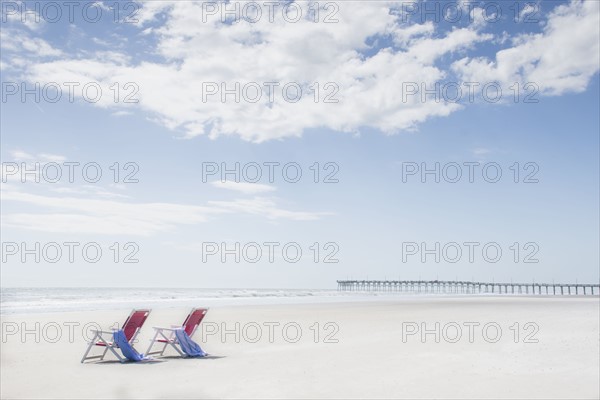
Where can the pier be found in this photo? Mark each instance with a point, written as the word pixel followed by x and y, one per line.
pixel 466 287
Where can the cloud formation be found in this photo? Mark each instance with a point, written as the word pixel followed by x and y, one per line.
pixel 350 72
pixel 563 58
pixel 75 211
pixel 244 187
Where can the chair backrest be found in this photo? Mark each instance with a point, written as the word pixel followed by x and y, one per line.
pixel 193 320
pixel 134 323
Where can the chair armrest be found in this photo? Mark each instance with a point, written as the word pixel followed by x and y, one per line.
pixel 167 329
pixel 103 332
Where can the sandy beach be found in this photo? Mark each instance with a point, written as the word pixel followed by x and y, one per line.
pixel 482 347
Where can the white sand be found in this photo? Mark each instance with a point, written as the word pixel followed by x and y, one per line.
pixel 369 361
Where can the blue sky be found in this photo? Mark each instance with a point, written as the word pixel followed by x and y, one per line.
pixel 370 214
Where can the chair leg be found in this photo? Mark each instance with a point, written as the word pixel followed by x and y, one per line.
pixel 168 341
pixel 104 353
pixel 107 346
pixel 164 348
pixel 112 349
pixel 88 350
pixel 152 342
pixel 90 346
pixel 175 344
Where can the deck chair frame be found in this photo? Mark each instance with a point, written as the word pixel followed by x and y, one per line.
pixel 170 339
pixel 100 339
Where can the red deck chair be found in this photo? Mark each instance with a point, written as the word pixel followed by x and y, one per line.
pixel 190 325
pixel 131 328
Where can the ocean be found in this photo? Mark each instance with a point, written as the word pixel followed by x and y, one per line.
pixel 42 300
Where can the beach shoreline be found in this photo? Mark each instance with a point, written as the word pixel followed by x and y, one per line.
pixel 535 347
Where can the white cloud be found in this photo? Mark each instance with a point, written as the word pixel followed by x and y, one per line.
pixel 136 218
pixel 267 208
pixel 108 216
pixel 303 52
pixel 82 224
pixel 13 14
pixel 428 50
pixel 402 37
pixel 88 190
pixel 480 151
pixel 45 157
pixel 187 52
pixel 244 187
pixel 19 155
pixel 529 12
pixel 18 40
pixel 25 167
pixel 22 161
pixel 563 58
pixel 479 16
pixel 121 113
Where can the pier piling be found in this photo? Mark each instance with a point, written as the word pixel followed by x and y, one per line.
pixel 465 287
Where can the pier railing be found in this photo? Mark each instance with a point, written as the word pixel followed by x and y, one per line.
pixel 468 287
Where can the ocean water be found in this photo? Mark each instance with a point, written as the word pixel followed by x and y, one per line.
pixel 41 300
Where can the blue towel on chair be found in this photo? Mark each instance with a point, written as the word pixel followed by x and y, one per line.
pixel 188 346
pixel 128 351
